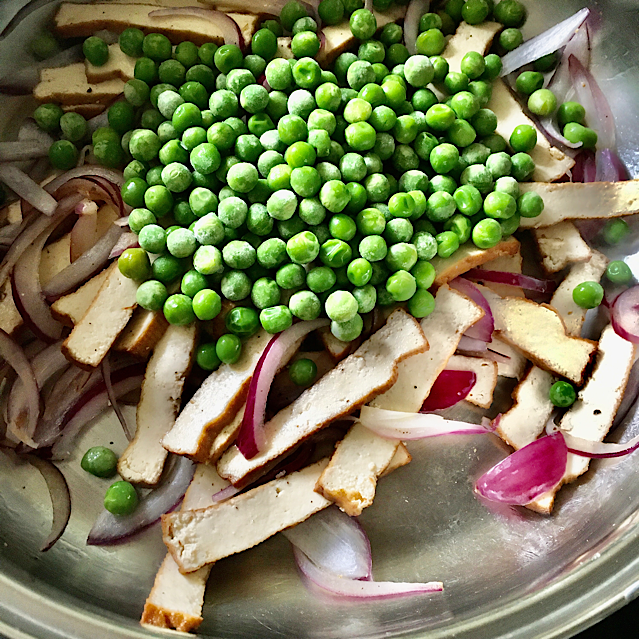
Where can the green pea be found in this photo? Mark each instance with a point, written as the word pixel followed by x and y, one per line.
pixel 207 305
pixel 303 372
pixel 542 102
pixel 618 272
pixel 524 138
pixel 228 348
pixel 576 133
pixel 588 294
pixel 510 39
pixel 421 304
pixel 562 394
pixel 100 461
pixel 121 498
pixel 571 112
pixel 486 233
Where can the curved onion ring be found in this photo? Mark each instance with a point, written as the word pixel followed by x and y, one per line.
pixel 334 541
pixel 27 189
pixel 87 265
pixel 484 327
pixel 109 529
pixel 15 357
pixel 625 315
pixel 275 356
pixel 60 498
pixel 355 589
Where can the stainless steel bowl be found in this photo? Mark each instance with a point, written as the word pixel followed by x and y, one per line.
pixel 507 573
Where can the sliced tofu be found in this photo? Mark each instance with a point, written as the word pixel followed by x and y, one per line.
pixel 215 403
pixel 550 162
pixel 338 37
pixel 508 264
pixel 577 201
pixel 590 271
pixel 549 346
pixel 350 479
pixel 71 308
pixel 176 600
pixel 468 38
pixel 143 460
pixel 284 48
pixel 86 110
pixel 226 437
pixel 481 394
pixel 196 538
pixel 11 214
pixel 10 318
pixel 401 458
pixel 337 349
pixel 142 333
pixel 527 418
pixel 454 314
pixel 119 65
pixel 371 370
pixel 469 256
pixel 516 364
pixel 55 258
pixel 94 334
pixel 81 20
pixel 591 416
pixel 69 85
pixel 560 245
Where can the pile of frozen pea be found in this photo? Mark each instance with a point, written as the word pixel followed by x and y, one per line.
pixel 296 192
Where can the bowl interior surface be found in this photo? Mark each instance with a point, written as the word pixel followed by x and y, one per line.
pixel 507 572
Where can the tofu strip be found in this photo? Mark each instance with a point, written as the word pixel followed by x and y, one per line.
pixel 550 162
pixel 548 346
pixel 532 408
pixel 356 380
pixel 143 460
pixel 69 85
pixel 576 201
pixel 469 256
pixel 94 334
pixel 71 308
pixel 215 403
pixel 81 20
pixel 142 333
pixel 196 538
pixel 350 480
pixel 481 394
pixel 591 416
pixel 176 600
pixel 469 38
pixel 560 245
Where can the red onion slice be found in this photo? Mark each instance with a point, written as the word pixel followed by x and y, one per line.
pixel 547 42
pixel 527 474
pixel 335 542
pixel 598 450
pixel 224 494
pixel 593 99
pixel 410 426
pixel 92 404
pixel 60 498
pixel 450 388
pixel 106 376
pixel 32 231
pixel 15 357
pixel 625 315
pixel 472 345
pixel 609 167
pixel 110 529
pixel 88 171
pixel 229 28
pixel 125 241
pixel 584 169
pixel 44 364
pixel 87 265
pixel 355 589
pixel 512 279
pixel 275 356
pixel 27 292
pixel 415 10
pixel 483 328
pixel 19 182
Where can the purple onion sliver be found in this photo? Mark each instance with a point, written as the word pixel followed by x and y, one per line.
pixel 335 542
pixel 512 279
pixel 484 327
pixel 224 494
pixel 110 529
pixel 356 589
pixel 527 474
pixel 625 315
pixel 599 450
